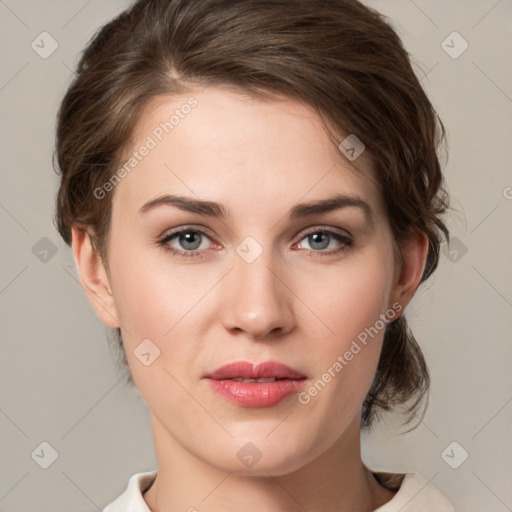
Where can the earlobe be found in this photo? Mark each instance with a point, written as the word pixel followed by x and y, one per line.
pixel 93 277
pixel 414 253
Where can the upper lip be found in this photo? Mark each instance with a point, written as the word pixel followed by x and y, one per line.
pixel 247 370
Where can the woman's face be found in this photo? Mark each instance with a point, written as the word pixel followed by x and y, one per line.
pixel 255 284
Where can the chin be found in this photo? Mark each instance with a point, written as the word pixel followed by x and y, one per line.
pixel 262 459
pixel 268 469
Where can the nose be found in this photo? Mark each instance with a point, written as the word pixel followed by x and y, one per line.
pixel 260 302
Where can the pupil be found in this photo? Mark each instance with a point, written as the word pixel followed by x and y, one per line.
pixel 190 240
pixel 316 238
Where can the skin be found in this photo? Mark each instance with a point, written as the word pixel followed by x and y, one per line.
pixel 293 304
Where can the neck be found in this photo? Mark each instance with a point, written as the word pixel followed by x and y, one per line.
pixel 336 480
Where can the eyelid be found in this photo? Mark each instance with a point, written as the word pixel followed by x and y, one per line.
pixel 185 227
pixel 329 229
pixel 345 239
pixel 209 233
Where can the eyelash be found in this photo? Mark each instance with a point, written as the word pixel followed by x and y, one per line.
pixel 344 240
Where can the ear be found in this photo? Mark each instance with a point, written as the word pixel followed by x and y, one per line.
pixel 93 277
pixel 414 252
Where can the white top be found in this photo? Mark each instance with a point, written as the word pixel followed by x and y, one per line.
pixel 415 495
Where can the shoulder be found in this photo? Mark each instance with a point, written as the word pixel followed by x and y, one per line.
pixel 131 500
pixel 415 494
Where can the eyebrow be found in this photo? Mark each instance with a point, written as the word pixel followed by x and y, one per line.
pixel 217 210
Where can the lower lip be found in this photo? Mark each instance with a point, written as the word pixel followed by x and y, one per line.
pixel 256 394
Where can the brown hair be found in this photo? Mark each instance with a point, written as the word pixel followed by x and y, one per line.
pixel 338 56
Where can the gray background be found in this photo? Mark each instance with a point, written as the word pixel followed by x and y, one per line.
pixel 58 380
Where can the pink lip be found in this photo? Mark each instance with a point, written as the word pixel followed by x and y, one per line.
pixel 255 394
pixel 247 370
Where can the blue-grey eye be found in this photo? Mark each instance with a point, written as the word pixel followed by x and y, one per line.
pixel 319 240
pixel 189 240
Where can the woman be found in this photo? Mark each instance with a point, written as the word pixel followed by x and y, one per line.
pixel 252 194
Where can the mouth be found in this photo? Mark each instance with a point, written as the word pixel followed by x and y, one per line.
pixel 264 379
pixel 267 371
pixel 255 385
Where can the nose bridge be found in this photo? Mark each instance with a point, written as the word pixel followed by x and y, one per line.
pixel 259 303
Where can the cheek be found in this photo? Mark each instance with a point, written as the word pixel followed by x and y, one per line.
pixel 345 299
pixel 158 300
pixel 157 306
pixel 347 326
pixel 152 293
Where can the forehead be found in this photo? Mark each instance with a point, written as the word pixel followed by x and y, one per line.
pixel 216 142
